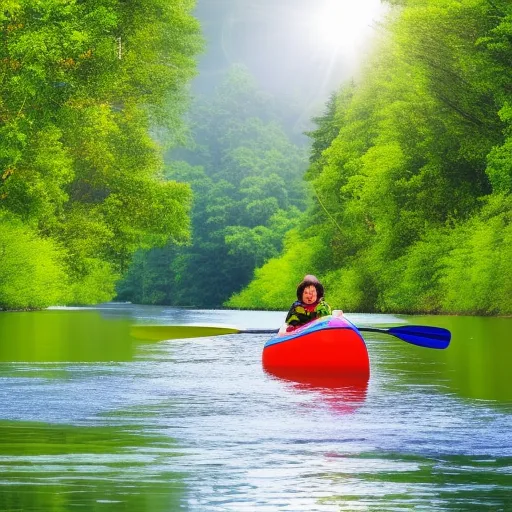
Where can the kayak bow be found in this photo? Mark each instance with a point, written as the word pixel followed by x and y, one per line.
pixel 328 346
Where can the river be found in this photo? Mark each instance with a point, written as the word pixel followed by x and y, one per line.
pixel 91 419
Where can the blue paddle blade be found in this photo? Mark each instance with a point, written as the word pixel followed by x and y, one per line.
pixel 421 335
pixel 424 336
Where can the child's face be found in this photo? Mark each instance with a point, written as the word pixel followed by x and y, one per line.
pixel 309 295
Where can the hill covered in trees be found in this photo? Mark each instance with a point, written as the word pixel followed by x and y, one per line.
pixel 412 173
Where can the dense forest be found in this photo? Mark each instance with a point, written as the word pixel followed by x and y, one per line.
pixel 113 182
pixel 246 173
pixel 90 94
pixel 411 166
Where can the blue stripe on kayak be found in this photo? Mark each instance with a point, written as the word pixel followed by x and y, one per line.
pixel 315 326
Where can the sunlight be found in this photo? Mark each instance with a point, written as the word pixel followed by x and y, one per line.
pixel 340 25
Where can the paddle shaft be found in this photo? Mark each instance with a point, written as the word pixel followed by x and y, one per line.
pixel 395 330
pixel 259 331
pixel 423 336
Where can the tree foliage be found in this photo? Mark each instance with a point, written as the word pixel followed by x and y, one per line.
pixel 82 85
pixel 40 279
pixel 411 167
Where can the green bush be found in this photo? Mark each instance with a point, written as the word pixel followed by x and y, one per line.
pixel 275 283
pixel 31 272
pixel 411 283
pixel 477 277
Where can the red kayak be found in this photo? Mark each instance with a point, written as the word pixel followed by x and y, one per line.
pixel 328 347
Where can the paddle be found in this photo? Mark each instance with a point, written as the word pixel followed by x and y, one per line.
pixel 423 336
pixel 170 332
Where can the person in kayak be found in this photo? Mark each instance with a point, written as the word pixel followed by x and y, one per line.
pixel 309 306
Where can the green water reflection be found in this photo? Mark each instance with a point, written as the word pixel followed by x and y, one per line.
pixel 60 467
pixel 468 483
pixel 58 335
pixel 476 365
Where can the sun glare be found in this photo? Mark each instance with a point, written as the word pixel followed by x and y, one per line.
pixel 340 25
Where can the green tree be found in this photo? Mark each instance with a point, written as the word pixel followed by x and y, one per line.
pixel 83 84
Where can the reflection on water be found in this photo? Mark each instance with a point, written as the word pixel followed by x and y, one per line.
pixel 59 335
pixel 60 467
pixel 342 394
pixel 480 357
pixel 448 483
pixel 90 419
pixel 477 364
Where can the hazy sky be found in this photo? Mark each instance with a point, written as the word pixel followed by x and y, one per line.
pixel 303 47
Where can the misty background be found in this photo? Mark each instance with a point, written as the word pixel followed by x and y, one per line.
pixel 299 49
pixel 267 71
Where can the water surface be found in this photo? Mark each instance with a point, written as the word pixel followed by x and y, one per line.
pixel 92 419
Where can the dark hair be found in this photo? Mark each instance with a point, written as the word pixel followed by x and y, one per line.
pixel 310 280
